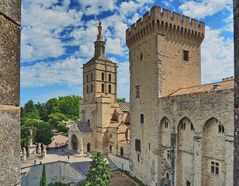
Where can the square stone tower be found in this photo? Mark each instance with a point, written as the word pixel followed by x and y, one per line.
pixel 99 74
pixel 10 13
pixel 164 55
pixel 99 93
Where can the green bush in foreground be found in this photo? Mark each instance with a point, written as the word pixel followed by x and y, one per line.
pixel 99 174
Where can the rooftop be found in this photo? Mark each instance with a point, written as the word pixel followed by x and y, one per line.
pixel 58 141
pixel 124 106
pixel 84 126
pixel 223 85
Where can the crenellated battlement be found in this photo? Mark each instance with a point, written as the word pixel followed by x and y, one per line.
pixel 160 20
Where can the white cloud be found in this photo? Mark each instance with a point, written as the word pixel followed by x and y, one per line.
pixel 42 23
pixel 229 23
pixel 68 71
pixel 201 9
pixel 217 56
pixel 93 7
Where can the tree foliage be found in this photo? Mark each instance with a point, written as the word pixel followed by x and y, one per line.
pixel 44 133
pixel 99 174
pixel 48 116
pixel 43 181
pixel 121 100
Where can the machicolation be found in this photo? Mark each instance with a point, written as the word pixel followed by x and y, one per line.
pixel 165 22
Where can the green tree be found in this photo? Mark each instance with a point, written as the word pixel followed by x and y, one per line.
pixel 43 177
pixel 52 106
pixel 61 127
pixel 42 110
pixel 44 133
pixel 57 120
pixel 29 106
pixel 99 174
pixel 121 100
pixel 25 136
pixel 69 105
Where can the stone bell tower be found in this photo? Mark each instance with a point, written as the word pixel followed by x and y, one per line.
pixel 99 74
pixel 99 93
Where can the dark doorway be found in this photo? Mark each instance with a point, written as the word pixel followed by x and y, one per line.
pixel 110 148
pixel 121 151
pixel 74 142
pixel 88 147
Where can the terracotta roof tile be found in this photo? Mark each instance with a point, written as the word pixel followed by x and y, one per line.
pixel 124 106
pixel 223 85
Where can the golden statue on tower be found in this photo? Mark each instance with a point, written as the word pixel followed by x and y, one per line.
pixel 99 37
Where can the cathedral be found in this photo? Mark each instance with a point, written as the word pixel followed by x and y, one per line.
pixel 104 124
pixel 179 131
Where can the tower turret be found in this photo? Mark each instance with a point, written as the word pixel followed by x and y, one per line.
pixel 99 43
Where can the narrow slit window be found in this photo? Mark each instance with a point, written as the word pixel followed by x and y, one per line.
pixel 141 118
pixel 185 55
pixel 91 76
pixel 137 92
pixel 91 88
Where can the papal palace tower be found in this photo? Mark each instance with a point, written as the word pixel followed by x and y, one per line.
pixel 181 130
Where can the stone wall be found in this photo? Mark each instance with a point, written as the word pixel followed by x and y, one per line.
pixel 236 97
pixel 55 172
pixel 194 120
pixel 9 92
pixel 122 163
pixel 156 43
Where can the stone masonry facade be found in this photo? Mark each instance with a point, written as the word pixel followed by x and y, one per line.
pixel 236 93
pixel 104 124
pixel 181 131
pixel 9 92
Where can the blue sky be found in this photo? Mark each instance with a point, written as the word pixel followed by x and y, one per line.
pixel 57 39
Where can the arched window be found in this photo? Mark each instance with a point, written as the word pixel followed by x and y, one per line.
pixel 166 124
pixel 220 128
pixel 109 77
pixel 192 128
pixel 87 89
pixel 109 88
pixel 88 147
pixel 167 175
pixel 127 134
pixel 102 88
pixel 74 142
pixel 91 87
pixel 121 151
pixel 102 76
pixel 110 148
pixel 91 76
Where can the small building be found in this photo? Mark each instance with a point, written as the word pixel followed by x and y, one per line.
pixel 59 141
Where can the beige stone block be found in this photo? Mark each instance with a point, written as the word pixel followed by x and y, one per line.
pixel 11 8
pixel 9 62
pixel 9 145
